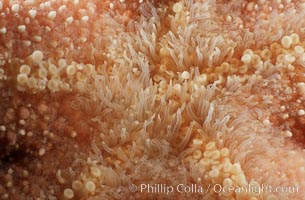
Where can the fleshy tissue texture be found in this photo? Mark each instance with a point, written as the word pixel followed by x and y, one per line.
pixel 99 98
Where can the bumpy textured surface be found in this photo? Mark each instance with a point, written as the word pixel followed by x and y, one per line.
pixel 98 95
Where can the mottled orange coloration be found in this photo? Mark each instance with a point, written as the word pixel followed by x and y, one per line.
pixel 98 95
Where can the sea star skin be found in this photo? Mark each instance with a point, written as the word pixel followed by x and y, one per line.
pixel 99 95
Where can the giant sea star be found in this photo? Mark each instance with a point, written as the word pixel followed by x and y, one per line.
pixel 152 99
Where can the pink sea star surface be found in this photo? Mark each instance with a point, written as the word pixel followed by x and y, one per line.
pixel 144 99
